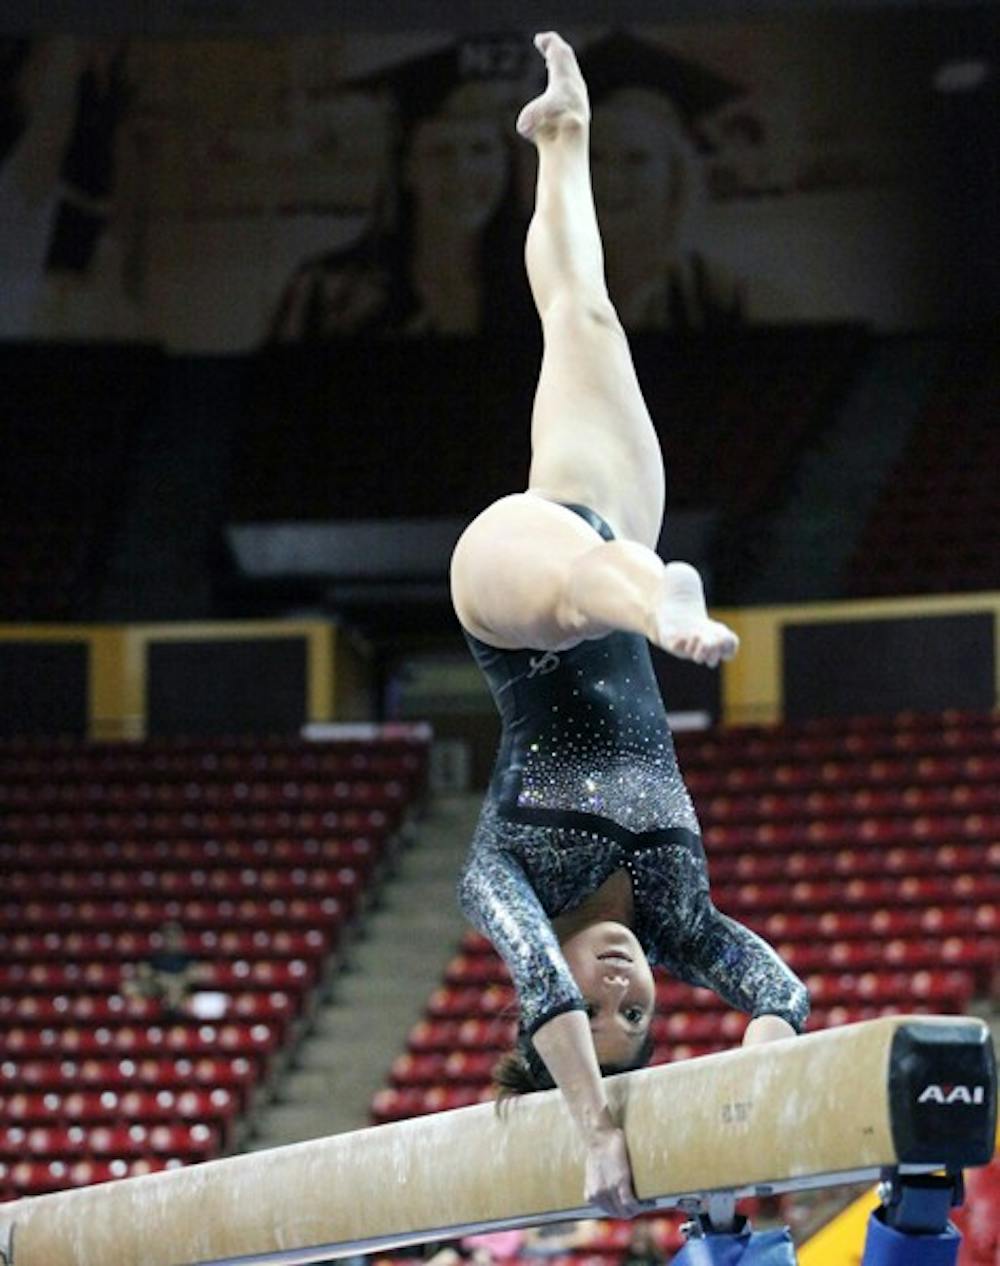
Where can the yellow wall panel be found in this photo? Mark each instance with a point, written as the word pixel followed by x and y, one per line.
pixel 118 655
pixel 339 666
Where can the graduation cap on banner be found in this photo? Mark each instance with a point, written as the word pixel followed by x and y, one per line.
pixel 422 84
pixel 621 60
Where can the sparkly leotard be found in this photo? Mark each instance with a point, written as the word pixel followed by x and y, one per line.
pixel 586 783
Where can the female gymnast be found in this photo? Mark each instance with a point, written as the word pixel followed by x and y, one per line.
pixel 587 862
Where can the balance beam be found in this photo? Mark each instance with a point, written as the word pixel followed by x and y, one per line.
pixel 905 1094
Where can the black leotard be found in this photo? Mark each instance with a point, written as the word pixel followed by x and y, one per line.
pixel 586 783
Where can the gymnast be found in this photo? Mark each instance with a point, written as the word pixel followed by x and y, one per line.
pixel 587 863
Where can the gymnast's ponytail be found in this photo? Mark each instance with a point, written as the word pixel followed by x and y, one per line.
pixel 522 1071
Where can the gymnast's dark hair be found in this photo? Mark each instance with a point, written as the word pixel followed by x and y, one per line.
pixel 522 1071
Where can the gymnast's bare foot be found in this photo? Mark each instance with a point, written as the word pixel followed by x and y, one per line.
pixel 683 625
pixel 564 103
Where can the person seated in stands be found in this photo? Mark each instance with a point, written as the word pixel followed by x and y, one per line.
pixel 169 972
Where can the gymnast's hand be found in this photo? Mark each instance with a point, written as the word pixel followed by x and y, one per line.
pixel 608 1174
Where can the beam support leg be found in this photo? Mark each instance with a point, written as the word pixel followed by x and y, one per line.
pixel 738 1248
pixel 719 1236
pixel 911 1227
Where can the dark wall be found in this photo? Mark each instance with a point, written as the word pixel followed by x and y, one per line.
pixel 43 688
pixel 926 663
pixel 227 686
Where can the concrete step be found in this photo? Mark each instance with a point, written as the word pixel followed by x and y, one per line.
pixel 392 966
pixel 293 1123
pixel 305 1085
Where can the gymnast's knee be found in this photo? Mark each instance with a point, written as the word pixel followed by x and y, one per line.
pixel 580 309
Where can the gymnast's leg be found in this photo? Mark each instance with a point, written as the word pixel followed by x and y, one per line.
pixel 591 434
pixel 528 572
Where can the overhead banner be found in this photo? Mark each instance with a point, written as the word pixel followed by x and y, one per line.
pixel 221 195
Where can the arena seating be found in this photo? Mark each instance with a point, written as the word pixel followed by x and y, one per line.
pixel 263 851
pixel 866 850
pixel 936 526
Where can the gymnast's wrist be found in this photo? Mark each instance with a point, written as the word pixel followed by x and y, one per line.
pixel 596 1125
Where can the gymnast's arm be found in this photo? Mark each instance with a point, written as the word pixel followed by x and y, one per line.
pixel 737 964
pixel 566 1046
pixel 498 899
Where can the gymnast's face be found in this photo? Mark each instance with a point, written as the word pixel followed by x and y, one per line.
pixel 615 979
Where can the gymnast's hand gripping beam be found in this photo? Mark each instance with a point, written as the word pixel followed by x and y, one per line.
pixel 900 1095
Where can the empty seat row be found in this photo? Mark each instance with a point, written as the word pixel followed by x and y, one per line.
pixel 36 1177
pixel 741 760
pixel 236 1074
pixel 110 762
pixel 194 914
pixel 292 975
pixel 928 922
pixel 225 796
pixel 221 747
pixel 903 721
pixel 472 1068
pixel 875 771
pixel 839 738
pixel 825 833
pixel 947 989
pixel 395 1104
pixel 361 853
pixel 978 955
pixel 914 859
pixel 129 944
pixel 192 1142
pixel 912 799
pixel 273 1007
pixel 258 1040
pixel 68 824
pixel 750 899
pixel 108 1106
pixel 235 882
pixel 730 859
